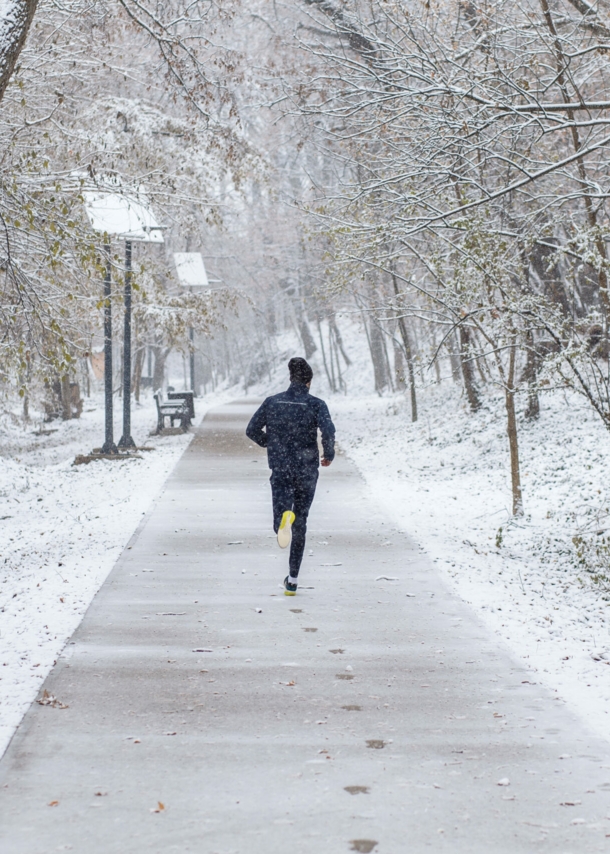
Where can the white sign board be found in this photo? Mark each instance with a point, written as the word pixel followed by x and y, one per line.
pixel 120 216
pixel 191 269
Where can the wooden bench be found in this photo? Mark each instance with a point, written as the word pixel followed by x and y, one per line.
pixel 175 410
pixel 188 397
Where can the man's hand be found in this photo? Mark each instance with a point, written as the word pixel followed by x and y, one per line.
pixel 325 462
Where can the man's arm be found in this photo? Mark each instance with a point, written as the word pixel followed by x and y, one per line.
pixel 255 429
pixel 327 429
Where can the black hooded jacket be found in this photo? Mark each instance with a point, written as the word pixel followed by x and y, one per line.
pixel 287 425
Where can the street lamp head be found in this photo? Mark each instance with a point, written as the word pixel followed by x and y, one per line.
pixel 120 216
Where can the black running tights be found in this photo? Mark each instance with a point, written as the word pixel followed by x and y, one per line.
pixel 293 490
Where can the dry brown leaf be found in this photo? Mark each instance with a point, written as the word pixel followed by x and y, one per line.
pixel 50 700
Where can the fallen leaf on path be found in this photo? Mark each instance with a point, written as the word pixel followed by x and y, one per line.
pixel 364 846
pixel 159 808
pixel 50 700
pixel 570 803
pixel 201 649
pixel 357 790
pixel 503 782
pixel 53 803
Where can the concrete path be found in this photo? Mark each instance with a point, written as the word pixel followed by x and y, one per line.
pixel 209 713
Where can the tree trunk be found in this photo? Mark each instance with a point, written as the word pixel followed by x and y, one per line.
pixel 399 366
pixel 13 31
pixel 388 366
pixel 533 401
pixel 378 357
pixel 137 372
pixel 410 369
pixel 307 338
pixel 66 408
pixel 454 358
pixel 328 377
pixel 408 353
pixel 511 429
pixel 161 355
pixel 334 352
pixel 470 385
pixel 339 340
pixel 330 358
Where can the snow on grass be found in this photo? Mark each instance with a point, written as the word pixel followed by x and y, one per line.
pixel 446 481
pixel 62 528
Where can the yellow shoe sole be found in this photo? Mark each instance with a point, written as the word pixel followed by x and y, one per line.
pixel 290 592
pixel 284 533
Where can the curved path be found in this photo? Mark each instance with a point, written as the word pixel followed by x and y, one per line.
pixel 209 713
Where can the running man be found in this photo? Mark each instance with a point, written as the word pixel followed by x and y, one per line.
pixel 287 425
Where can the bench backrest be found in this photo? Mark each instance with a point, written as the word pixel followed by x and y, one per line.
pixel 187 396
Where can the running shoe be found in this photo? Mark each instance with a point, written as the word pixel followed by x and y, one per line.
pixel 284 532
pixel 290 586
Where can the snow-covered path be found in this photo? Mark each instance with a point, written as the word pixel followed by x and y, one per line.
pixel 207 712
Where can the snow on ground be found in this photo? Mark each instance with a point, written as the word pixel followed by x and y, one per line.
pixel 62 528
pixel 445 480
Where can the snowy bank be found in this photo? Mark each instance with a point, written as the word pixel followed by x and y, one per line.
pixel 446 481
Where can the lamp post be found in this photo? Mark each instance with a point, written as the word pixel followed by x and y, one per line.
pixel 108 447
pixel 192 359
pixel 120 216
pixel 126 441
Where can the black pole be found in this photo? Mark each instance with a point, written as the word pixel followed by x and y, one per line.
pixel 192 360
pixel 126 440
pixel 108 447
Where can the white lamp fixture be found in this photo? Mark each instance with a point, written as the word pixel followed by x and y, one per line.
pixel 191 269
pixel 120 216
